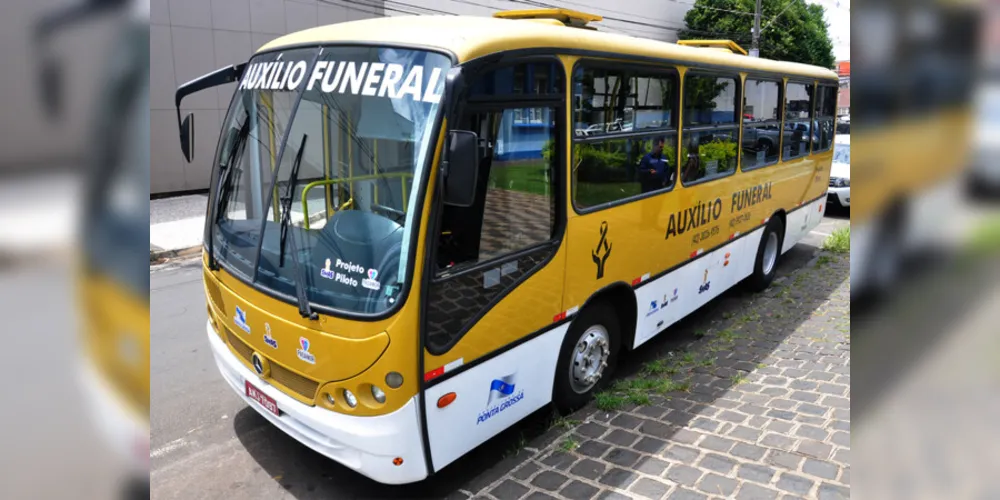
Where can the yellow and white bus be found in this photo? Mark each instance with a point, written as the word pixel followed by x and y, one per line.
pixel 112 274
pixel 423 229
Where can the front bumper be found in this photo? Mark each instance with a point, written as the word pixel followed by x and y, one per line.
pixel 839 195
pixel 122 428
pixel 367 445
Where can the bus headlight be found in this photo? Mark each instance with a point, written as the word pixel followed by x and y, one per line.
pixel 378 394
pixel 329 398
pixel 349 397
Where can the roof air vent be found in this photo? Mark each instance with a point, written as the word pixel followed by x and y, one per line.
pixel 570 18
pixel 723 45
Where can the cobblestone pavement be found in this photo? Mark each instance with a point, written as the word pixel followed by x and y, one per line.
pixel 755 404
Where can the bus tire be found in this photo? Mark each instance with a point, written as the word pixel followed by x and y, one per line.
pixel 768 253
pixel 587 358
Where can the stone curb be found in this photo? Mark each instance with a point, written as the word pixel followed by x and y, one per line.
pixel 157 256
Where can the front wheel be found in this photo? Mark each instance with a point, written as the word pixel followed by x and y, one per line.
pixel 587 358
pixel 766 264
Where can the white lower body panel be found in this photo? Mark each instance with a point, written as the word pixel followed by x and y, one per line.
pixel 492 396
pixel 367 445
pixel 669 298
pixel 799 222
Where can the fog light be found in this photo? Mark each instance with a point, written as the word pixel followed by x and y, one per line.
pixel 349 397
pixel 394 380
pixel 329 398
pixel 378 394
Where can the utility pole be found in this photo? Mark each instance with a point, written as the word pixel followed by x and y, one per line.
pixel 755 48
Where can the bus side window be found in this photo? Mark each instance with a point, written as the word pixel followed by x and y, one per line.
pixel 711 126
pixel 625 130
pixel 798 122
pixel 761 124
pixel 515 203
pixel 826 113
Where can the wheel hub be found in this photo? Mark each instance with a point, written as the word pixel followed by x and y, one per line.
pixel 770 253
pixel 590 358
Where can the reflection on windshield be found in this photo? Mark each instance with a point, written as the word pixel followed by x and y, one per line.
pixel 368 114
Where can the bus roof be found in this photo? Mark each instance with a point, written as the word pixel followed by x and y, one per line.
pixel 471 37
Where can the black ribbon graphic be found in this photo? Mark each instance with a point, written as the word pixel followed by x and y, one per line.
pixel 602 251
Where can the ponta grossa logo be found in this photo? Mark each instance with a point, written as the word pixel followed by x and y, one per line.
pixel 603 250
pixel 241 319
pixel 304 353
pixel 503 394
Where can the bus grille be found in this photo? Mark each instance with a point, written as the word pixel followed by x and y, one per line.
pixel 302 388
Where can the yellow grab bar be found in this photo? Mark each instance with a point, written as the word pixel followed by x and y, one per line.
pixel 324 182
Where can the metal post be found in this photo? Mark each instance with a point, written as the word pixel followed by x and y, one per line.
pixel 755 48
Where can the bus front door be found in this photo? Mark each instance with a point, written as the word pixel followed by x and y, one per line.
pixel 490 345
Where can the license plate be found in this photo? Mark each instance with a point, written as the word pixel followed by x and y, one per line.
pixel 264 400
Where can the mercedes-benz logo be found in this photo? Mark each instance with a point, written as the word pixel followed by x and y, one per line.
pixel 258 363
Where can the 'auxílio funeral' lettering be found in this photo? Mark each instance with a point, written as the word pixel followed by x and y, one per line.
pixel 751 196
pixel 347 77
pixel 694 217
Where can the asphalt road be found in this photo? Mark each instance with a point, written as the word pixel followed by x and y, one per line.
pixel 206 443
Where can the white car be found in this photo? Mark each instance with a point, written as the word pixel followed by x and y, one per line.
pixel 839 191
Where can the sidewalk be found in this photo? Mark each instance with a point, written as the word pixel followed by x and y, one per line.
pixel 176 226
pixel 756 406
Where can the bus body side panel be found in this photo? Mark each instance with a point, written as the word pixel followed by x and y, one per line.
pixel 671 297
pixel 492 396
pixel 801 220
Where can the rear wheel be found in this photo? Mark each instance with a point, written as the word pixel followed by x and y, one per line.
pixel 766 264
pixel 587 358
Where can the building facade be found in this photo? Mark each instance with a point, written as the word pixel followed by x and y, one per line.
pixel 190 38
pixel 844 95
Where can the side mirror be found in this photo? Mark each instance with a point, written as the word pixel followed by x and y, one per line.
pixel 218 77
pixel 187 136
pixel 462 172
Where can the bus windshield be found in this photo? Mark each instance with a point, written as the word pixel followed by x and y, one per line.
pixel 316 176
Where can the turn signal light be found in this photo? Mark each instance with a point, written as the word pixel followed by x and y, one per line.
pixel 447 399
pixel 397 461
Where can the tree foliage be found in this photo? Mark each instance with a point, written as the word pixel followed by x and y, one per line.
pixel 791 30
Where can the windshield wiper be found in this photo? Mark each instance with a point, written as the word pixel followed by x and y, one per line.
pixel 286 216
pixel 286 202
pixel 225 188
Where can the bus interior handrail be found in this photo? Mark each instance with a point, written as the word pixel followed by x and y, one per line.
pixel 325 182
